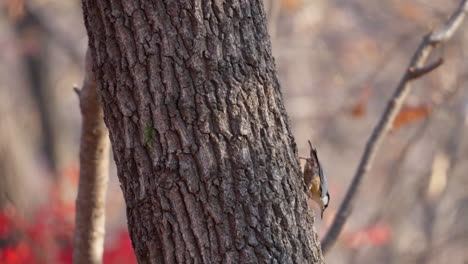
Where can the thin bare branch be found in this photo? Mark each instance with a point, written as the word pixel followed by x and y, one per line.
pixel 392 109
pixel 454 22
pixel 415 73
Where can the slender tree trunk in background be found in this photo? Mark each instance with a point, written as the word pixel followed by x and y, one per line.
pixel 94 174
pixel 36 66
pixel 206 160
pixel 17 187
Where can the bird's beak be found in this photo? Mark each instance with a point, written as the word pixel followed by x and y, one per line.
pixel 321 214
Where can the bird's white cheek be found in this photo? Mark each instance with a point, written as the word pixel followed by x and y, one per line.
pixel 325 200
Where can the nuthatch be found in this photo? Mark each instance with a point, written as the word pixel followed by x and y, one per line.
pixel 315 180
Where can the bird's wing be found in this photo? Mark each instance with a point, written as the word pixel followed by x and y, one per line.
pixel 323 180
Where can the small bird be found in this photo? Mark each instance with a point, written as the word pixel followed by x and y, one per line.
pixel 315 180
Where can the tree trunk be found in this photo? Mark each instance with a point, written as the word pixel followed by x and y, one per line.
pixel 36 65
pixel 94 174
pixel 206 160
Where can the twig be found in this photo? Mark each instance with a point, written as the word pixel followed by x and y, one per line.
pixel 415 70
pixel 415 73
pixel 77 91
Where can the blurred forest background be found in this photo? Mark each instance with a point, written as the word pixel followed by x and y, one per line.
pixel 338 63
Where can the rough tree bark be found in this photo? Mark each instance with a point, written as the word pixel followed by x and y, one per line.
pixel 205 156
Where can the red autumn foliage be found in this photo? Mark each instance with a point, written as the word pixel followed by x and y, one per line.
pixel 48 239
pixel 377 235
pixel 47 236
pixel 20 254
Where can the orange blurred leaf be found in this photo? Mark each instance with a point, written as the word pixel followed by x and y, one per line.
pixel 409 10
pixel 290 4
pixel 360 108
pixel 410 114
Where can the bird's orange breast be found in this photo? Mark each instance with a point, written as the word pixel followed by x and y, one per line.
pixel 315 186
